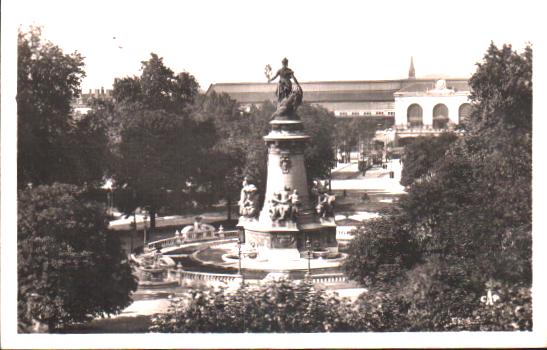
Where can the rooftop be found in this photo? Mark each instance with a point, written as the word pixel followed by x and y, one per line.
pixel 336 91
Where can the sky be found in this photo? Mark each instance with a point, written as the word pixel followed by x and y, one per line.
pixel 232 41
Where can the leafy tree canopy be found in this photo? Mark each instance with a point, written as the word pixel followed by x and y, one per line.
pixel 225 166
pixel 53 145
pixel 160 148
pixel 157 88
pixel 421 155
pixel 70 268
pixel 382 250
pixel 502 89
pixel 349 131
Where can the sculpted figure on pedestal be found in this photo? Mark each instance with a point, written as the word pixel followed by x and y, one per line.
pixel 157 257
pixel 295 205
pixel 288 98
pixel 325 201
pixel 284 205
pixel 248 200
pixel 325 205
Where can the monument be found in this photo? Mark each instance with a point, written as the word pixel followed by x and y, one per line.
pixel 294 218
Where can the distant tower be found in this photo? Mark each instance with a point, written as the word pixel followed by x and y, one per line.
pixel 411 72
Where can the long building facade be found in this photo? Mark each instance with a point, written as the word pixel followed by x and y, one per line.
pixel 405 108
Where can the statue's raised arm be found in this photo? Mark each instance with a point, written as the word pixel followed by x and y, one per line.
pixel 288 99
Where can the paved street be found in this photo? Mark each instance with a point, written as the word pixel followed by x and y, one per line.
pixel 348 177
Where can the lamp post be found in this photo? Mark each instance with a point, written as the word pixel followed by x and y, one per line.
pixel 239 260
pixel 239 255
pixel 144 224
pixel 308 247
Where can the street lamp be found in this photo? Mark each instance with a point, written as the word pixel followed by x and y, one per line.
pixel 240 272
pixel 145 217
pixel 239 255
pixel 308 247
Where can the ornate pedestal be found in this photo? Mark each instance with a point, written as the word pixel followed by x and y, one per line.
pixel 288 218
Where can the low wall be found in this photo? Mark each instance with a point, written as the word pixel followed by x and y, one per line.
pixel 178 240
pixel 329 278
pixel 195 279
pixel 205 279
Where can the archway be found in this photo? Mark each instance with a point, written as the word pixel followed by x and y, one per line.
pixel 440 116
pixel 414 116
pixel 464 112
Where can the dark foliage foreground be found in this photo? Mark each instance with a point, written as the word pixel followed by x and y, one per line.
pixel 456 254
pixel 283 306
pixel 279 306
pixel 70 267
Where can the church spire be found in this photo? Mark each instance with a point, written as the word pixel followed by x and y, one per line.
pixel 411 72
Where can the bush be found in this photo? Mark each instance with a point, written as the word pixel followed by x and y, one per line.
pixel 382 250
pixel 279 306
pixel 433 296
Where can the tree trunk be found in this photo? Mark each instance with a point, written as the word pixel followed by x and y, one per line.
pixel 135 224
pixel 229 203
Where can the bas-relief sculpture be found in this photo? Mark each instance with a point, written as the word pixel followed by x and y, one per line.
pixel 285 163
pixel 284 206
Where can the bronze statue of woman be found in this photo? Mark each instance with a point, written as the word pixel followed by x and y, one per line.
pixel 284 87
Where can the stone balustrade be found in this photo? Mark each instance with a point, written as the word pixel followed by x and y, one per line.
pixel 206 277
pixel 192 237
pixel 164 243
pixel 329 278
pixel 345 233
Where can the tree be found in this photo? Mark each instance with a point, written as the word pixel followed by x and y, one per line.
pixel 319 154
pixel 228 155
pixel 161 153
pixel 160 147
pixel 47 82
pixel 502 90
pixel 156 83
pixel 349 132
pixel 382 250
pixel 421 155
pixel 158 88
pixel 70 268
pixel 127 91
pixel 485 177
pixel 89 151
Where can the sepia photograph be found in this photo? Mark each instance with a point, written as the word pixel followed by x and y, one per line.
pixel 272 174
